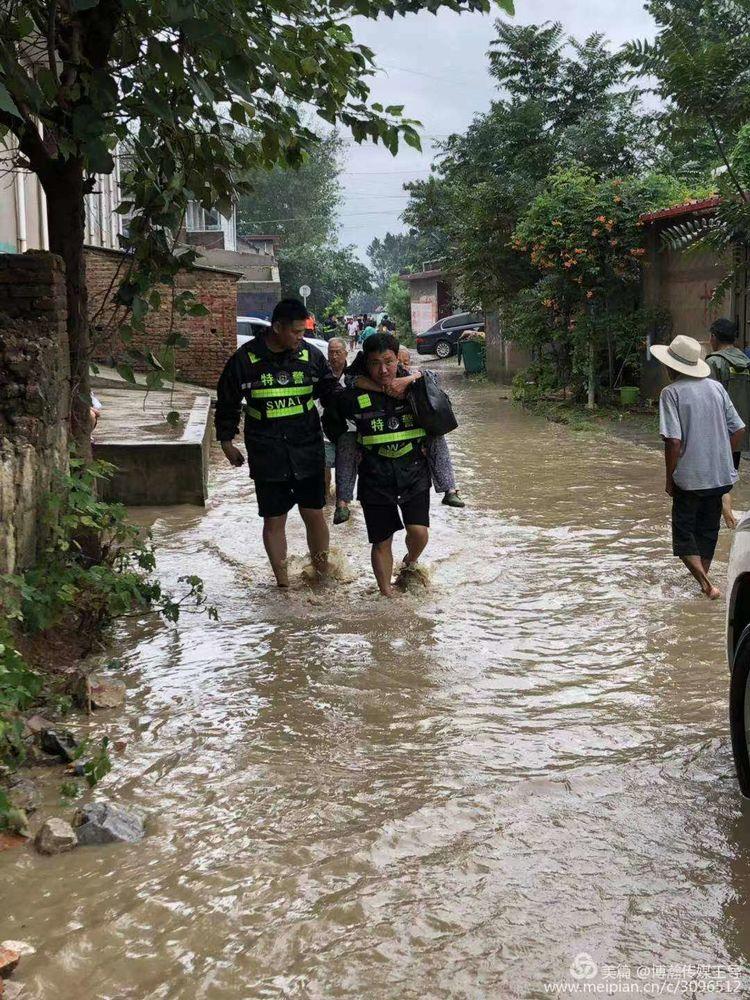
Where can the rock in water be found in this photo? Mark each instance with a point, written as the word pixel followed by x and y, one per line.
pixel 37 724
pixel 60 743
pixel 22 947
pixel 55 837
pixel 106 692
pixel 9 959
pixel 24 794
pixel 103 823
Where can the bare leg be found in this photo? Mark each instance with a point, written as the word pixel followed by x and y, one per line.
pixel 699 568
pixel 317 538
pixel 328 483
pixel 726 509
pixel 417 536
pixel 382 565
pixel 274 540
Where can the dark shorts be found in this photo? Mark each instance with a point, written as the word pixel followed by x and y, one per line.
pixel 736 457
pixel 695 523
pixel 382 520
pixel 276 499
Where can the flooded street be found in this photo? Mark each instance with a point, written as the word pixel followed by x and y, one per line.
pixel 448 795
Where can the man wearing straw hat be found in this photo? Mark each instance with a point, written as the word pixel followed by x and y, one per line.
pixel 700 428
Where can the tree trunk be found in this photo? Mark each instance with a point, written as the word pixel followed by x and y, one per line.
pixel 65 191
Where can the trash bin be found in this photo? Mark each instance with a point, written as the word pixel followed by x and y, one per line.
pixel 629 395
pixel 473 356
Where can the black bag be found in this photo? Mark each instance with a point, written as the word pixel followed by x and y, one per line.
pixel 431 406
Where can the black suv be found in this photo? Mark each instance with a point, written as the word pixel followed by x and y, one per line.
pixel 441 339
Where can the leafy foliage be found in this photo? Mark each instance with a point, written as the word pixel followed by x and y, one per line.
pixel 391 255
pixel 566 103
pixel 298 204
pixel 200 95
pixel 398 307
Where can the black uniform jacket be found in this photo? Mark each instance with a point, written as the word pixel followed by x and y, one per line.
pixel 277 449
pixel 383 480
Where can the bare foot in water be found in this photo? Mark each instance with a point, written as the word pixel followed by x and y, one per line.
pixel 711 592
pixel 730 520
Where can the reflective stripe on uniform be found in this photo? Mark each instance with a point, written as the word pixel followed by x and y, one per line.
pixel 253 357
pixel 386 452
pixel 278 392
pixel 364 401
pixel 304 355
pixel 255 414
pixel 367 439
pixel 291 411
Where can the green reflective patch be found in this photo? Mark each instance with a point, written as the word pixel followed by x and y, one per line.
pixel 418 432
pixel 277 392
pixel 364 401
pixel 289 411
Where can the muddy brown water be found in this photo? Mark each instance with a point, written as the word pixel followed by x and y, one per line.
pixel 448 795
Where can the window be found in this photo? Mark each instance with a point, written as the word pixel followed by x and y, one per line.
pixel 460 319
pixel 198 220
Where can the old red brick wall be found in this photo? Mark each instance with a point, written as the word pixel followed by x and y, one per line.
pixel 212 339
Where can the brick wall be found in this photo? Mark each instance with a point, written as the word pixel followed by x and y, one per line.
pixel 34 398
pixel 211 339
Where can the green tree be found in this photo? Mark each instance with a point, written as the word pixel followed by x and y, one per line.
pixel 332 272
pixel 583 238
pixel 565 102
pixel 398 307
pixel 205 91
pixel 389 256
pixel 699 59
pixel 298 204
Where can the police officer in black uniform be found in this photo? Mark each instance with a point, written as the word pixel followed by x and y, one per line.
pixel 393 471
pixel 279 375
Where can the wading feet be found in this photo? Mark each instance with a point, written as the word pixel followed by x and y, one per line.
pixel 281 572
pixel 711 592
pixel 319 562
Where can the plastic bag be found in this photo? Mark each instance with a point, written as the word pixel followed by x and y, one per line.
pixel 431 406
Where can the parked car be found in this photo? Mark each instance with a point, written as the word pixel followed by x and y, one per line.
pixel 738 650
pixel 441 339
pixel 250 326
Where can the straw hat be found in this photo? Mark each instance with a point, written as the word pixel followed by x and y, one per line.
pixel 683 355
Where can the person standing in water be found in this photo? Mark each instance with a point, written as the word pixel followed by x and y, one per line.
pixel 280 376
pixel 700 429
pixel 731 366
pixel 394 477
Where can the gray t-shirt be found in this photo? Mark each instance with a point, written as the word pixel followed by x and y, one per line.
pixel 699 413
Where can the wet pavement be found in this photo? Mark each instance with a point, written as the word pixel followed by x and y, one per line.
pixel 451 794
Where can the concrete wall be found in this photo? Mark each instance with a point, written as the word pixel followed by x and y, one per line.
pixel 430 301
pixel 34 398
pixel 682 284
pixel 212 339
pixel 504 358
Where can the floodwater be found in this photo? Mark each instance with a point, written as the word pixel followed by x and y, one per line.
pixel 461 793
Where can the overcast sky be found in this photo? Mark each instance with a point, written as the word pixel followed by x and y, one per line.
pixel 437 68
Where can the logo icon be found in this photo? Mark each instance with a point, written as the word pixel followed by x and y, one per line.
pixel 282 378
pixel 393 423
pixel 583 966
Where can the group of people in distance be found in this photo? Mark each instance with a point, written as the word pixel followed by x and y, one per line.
pixel 285 384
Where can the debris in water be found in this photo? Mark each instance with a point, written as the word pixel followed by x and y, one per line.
pixel 413 578
pixel 338 568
